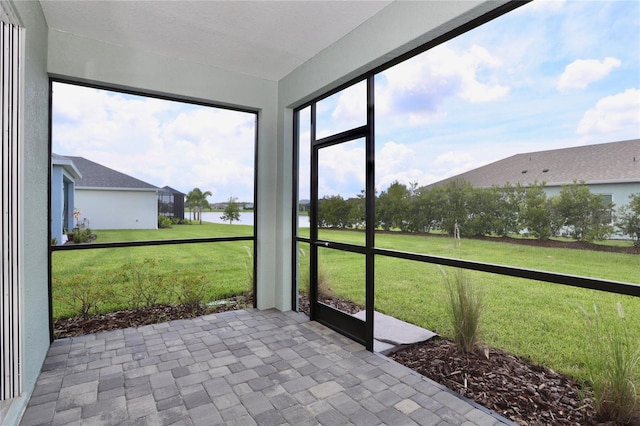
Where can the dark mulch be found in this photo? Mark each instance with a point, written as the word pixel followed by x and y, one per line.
pixel 136 317
pixel 512 387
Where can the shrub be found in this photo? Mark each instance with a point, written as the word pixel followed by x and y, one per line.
pixel 164 222
pixel 190 290
pixel 465 310
pixel 145 286
pixel 629 219
pixel 81 235
pixel 612 358
pixel 86 295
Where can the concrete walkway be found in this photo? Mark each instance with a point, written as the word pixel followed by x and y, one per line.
pixel 237 368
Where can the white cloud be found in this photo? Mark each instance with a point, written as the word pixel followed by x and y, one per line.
pixel 542 6
pixel 422 84
pixel 351 110
pixel 453 158
pixel 342 169
pixel 157 141
pixel 582 72
pixel 613 114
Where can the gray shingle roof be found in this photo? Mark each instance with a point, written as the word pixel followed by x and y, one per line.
pixel 95 175
pixel 605 162
pixel 169 190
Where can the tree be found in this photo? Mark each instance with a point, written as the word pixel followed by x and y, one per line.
pixel 333 212
pixel 538 213
pixel 455 206
pixel 426 209
pixel 629 219
pixel 392 207
pixel 197 200
pixel 585 214
pixel 231 212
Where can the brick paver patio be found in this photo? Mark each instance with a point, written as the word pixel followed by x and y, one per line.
pixel 237 368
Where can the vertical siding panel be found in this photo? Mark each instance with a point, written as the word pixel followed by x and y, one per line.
pixel 10 347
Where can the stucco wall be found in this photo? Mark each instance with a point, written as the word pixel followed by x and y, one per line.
pixel 34 227
pixel 106 209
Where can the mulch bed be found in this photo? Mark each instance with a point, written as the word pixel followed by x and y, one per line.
pixel 71 327
pixel 512 387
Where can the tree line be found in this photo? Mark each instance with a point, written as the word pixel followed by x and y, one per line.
pixel 457 206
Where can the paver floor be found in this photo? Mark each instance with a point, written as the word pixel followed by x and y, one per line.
pixel 238 368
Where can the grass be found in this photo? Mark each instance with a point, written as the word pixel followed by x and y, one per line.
pixel 611 361
pixel 221 264
pixel 465 309
pixel 536 320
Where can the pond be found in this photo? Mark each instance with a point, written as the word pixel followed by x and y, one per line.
pixel 246 218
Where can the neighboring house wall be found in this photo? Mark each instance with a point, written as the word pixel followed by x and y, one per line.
pixel 619 192
pixel 63 178
pixel 118 209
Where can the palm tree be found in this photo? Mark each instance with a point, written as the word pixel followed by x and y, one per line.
pixel 197 200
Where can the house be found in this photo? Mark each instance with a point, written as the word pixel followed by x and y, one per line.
pixel 64 175
pixel 109 199
pixel 609 169
pixel 171 202
pixel 268 58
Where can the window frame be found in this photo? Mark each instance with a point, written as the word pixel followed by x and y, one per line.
pixel 538 275
pixel 146 243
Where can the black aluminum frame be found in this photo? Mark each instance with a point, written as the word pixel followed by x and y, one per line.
pixel 370 250
pixel 93 246
pixel 356 329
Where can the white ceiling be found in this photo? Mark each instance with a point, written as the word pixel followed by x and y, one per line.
pixel 265 39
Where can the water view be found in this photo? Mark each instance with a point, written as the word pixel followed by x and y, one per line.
pixel 246 218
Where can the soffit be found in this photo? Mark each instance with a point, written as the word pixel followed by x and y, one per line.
pixel 264 39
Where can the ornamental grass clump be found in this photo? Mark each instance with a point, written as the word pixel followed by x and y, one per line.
pixel 612 360
pixel 465 309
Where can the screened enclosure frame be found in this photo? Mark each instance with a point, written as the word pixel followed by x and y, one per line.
pixel 623 288
pixel 147 243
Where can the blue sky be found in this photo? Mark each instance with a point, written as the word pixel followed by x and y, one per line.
pixel 550 74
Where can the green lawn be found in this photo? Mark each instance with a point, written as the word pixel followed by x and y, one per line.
pixel 539 321
pixel 223 267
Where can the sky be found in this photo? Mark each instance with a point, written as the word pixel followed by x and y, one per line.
pixel 550 74
pixel 157 141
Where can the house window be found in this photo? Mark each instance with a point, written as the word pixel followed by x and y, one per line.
pixel 10 278
pixel 607 210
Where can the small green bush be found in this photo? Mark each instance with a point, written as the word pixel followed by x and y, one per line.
pixel 465 310
pixel 81 235
pixel 164 222
pixel 612 358
pixel 86 295
pixel 190 290
pixel 145 286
